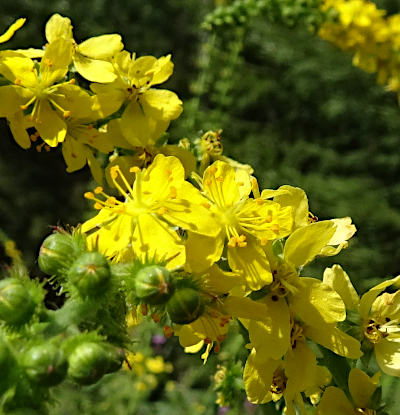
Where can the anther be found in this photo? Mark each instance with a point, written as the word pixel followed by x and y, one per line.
pixel 134 169
pixel 88 195
pixel 66 114
pixel 205 205
pixel 98 190
pixel 275 228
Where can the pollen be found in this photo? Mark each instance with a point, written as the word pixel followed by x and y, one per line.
pixel 172 192
pixel 259 201
pixel 162 210
pixel 213 170
pixel 47 62
pixel 205 205
pixel 17 81
pixel 207 182
pixel 275 228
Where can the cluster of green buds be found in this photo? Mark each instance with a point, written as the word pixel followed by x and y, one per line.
pixel 166 292
pixel 39 347
pixel 287 12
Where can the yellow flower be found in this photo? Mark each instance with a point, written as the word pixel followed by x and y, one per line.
pixel 334 401
pixel 35 90
pixel 159 199
pixel 157 365
pixel 91 57
pixel 380 315
pixel 245 223
pixel 148 111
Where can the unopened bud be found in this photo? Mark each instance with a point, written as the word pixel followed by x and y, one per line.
pixel 185 305
pixel 153 285
pixel 46 364
pixel 90 274
pixel 56 254
pixel 16 304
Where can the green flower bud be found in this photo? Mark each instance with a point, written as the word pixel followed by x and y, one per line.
pixel 90 274
pixel 16 304
pixel 45 364
pixel 185 306
pixel 153 285
pixel 56 254
pixel 90 361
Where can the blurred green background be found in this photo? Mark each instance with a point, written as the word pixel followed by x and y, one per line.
pixel 289 104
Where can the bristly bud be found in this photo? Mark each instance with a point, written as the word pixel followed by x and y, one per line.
pixel 16 304
pixel 91 361
pixel 90 274
pixel 185 306
pixel 56 253
pixel 153 285
pixel 45 364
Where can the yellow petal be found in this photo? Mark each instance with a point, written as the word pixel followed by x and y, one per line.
pixel 101 47
pixel 51 127
pixel 369 297
pixel 195 348
pixel 271 336
pixel 58 27
pixel 244 307
pixel 257 377
pixel 55 61
pixel 362 387
pixel 305 243
pixel 94 70
pixel 334 402
pixel 9 33
pixel 316 302
pixel 18 130
pixel 185 156
pixel 154 238
pixel 221 282
pixel 219 183
pixel 94 165
pixel 336 278
pixel 334 339
pixel 11 97
pixel 139 128
pixel 19 70
pixel 387 353
pixel 251 261
pixel 203 251
pixel 343 232
pixel 74 154
pixel 161 104
pixel 297 199
pixel 300 369
pixel 163 69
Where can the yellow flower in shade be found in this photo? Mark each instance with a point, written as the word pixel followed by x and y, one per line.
pixel 35 91
pixel 268 380
pixel 245 223
pixel 380 315
pixel 82 138
pixel 335 402
pixel 143 224
pixel 91 57
pixel 148 111
pixel 9 33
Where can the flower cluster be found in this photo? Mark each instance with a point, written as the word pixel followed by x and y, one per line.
pixel 359 27
pixel 184 234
